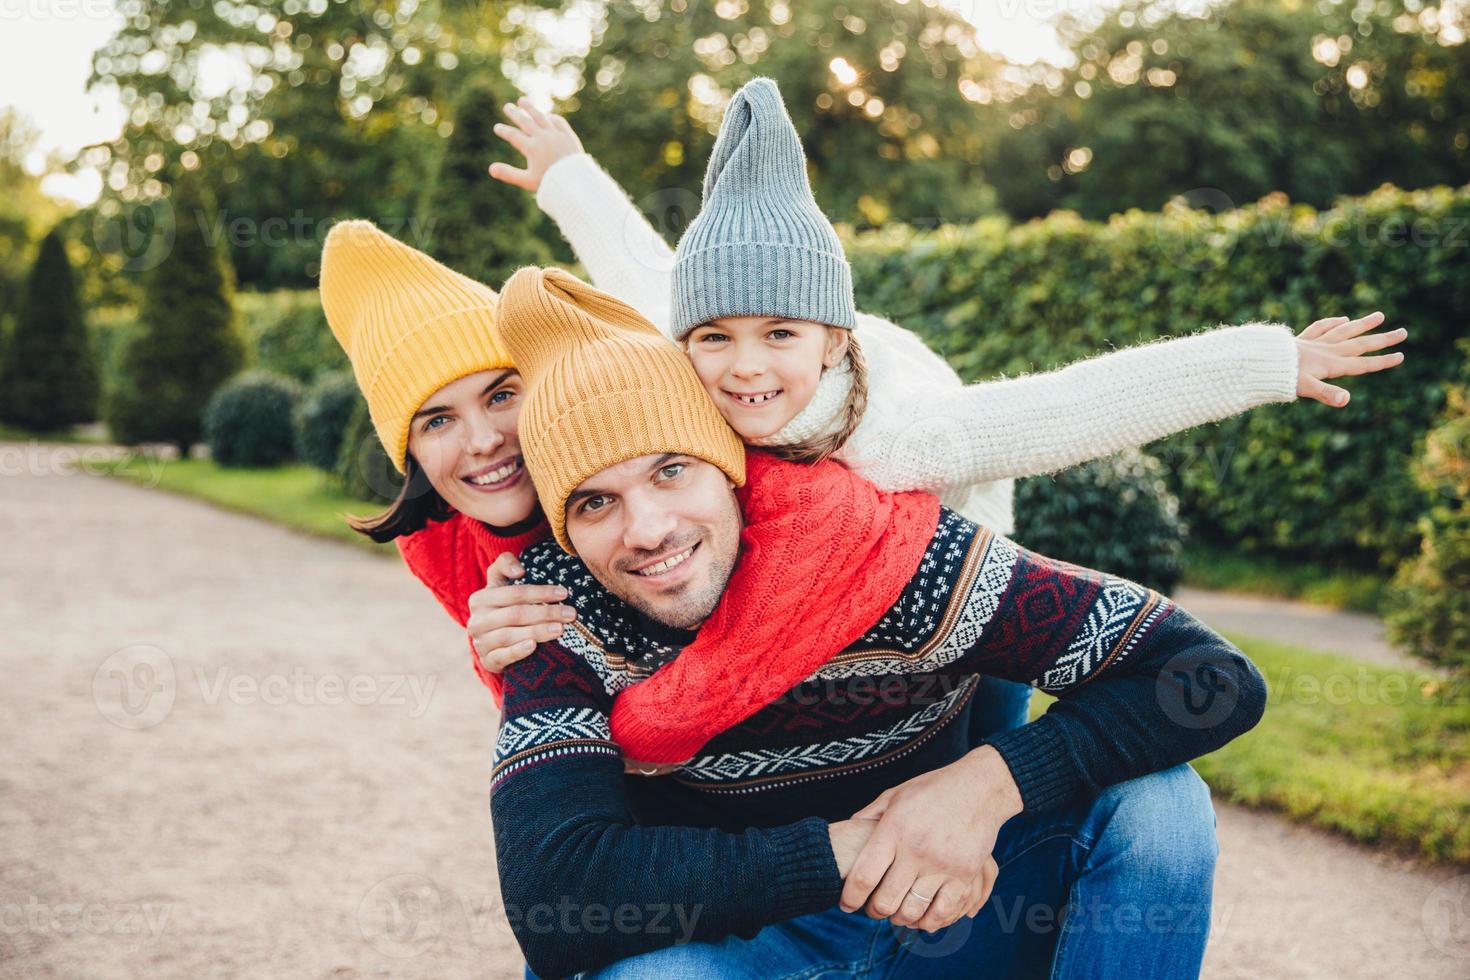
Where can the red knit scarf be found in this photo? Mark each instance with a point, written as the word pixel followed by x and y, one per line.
pixel 823 555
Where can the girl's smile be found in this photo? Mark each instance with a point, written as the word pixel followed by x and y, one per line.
pixel 762 371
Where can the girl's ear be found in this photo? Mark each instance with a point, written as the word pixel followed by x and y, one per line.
pixel 837 344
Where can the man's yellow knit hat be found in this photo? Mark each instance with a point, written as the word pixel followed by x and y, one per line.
pixel 602 386
pixel 409 324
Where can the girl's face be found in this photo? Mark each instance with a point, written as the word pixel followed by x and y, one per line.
pixel 465 439
pixel 762 371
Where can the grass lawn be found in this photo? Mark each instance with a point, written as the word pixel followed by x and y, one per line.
pixel 297 496
pixel 1376 753
pixel 1208 567
pixel 1379 754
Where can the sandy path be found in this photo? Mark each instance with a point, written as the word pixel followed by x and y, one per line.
pixel 235 751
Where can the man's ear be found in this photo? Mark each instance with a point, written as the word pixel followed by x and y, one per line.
pixel 838 340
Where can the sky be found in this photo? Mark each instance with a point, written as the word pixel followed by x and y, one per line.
pixel 46 51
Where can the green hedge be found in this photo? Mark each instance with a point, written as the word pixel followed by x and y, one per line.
pixel 1297 480
pixel 1113 514
pixel 285 332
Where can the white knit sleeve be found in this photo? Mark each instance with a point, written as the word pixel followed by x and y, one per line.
pixel 619 248
pixel 1045 422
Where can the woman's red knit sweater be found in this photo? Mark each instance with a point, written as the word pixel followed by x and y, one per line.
pixel 823 555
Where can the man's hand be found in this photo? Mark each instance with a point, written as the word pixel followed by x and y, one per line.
pixel 928 862
pixel 848 838
pixel 507 621
pixel 1332 348
pixel 541 137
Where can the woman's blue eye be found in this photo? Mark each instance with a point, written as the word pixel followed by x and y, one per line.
pixel 431 423
pixel 677 468
pixel 495 398
pixel 713 338
pixel 782 334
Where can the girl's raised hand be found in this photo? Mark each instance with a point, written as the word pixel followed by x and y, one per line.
pixel 507 621
pixel 1334 348
pixel 541 137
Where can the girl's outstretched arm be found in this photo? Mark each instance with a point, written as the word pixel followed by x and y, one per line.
pixel 940 440
pixel 613 240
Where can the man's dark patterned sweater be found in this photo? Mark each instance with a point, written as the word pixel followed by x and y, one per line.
pixel 737 837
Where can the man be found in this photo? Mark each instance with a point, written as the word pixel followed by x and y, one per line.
pixel 859 785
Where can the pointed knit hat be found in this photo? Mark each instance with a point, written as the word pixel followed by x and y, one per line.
pixel 409 324
pixel 602 386
pixel 760 246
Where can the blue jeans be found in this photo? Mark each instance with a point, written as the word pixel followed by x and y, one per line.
pixel 1116 886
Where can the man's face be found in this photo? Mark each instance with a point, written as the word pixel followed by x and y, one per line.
pixel 659 532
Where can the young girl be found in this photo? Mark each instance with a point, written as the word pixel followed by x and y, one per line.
pixel 759 295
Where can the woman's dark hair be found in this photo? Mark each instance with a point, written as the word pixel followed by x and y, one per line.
pixel 416 505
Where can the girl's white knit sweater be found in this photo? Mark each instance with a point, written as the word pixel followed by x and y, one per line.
pixel 924 429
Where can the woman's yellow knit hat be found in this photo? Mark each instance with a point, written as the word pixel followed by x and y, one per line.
pixel 409 324
pixel 602 386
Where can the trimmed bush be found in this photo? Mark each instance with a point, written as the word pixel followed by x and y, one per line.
pixel 287 332
pixel 1114 514
pixel 248 420
pixel 322 417
pixel 48 379
pixel 1292 480
pixel 187 343
pixel 1429 611
pixel 363 470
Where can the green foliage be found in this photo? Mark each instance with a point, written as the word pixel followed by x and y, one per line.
pixel 248 420
pixel 1297 480
pixel 658 75
pixel 287 333
pixel 322 418
pixel 345 117
pixel 188 342
pixel 1233 101
pixel 363 469
pixel 1113 514
pixel 1430 612
pixel 481 227
pixel 48 379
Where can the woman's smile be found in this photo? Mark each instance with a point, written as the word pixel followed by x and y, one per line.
pixel 500 475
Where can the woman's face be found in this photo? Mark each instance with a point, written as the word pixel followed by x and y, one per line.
pixel 762 371
pixel 464 437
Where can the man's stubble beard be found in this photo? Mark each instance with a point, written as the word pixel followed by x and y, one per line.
pixel 689 610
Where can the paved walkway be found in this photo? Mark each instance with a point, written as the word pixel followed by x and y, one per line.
pixel 233 751
pixel 1300 624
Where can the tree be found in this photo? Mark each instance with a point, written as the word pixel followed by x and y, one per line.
pixel 48 379
pixel 1236 101
pixel 335 110
pixel 188 342
pixel 478 226
pixel 883 95
pixel 24 210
